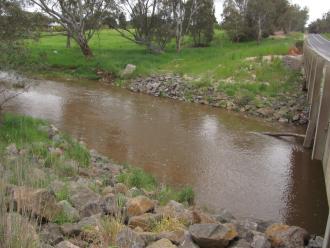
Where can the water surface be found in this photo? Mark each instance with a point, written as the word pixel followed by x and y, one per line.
pixel 180 143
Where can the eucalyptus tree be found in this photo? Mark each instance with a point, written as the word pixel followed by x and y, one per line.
pixel 80 18
pixel 151 23
pixel 182 14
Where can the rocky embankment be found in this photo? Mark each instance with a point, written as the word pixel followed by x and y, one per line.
pixel 88 207
pixel 288 107
pixel 284 108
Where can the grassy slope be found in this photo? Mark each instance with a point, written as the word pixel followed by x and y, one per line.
pixel 326 35
pixel 112 53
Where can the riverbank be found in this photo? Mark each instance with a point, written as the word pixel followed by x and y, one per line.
pixel 59 192
pixel 289 106
pixel 243 77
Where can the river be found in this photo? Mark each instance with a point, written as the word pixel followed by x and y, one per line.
pixel 210 149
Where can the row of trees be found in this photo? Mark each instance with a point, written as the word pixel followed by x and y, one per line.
pixel 320 25
pixel 153 23
pixel 256 19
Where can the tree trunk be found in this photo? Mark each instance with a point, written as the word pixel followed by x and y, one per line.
pixel 259 31
pixel 86 50
pixel 178 44
pixel 83 44
pixel 68 40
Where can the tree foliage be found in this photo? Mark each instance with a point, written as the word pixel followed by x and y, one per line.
pixel 202 23
pixel 16 25
pixel 80 18
pixel 255 19
pixel 320 25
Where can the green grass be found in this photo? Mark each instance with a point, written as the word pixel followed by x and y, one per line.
pixel 112 53
pixel 31 134
pixel 136 177
pixel 21 130
pixel 326 35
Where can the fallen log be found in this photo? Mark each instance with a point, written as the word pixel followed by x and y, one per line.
pixel 296 135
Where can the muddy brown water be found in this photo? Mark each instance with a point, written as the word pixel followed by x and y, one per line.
pixel 180 143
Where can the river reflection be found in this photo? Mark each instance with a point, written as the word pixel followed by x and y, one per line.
pixel 188 144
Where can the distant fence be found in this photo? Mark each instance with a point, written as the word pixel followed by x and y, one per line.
pixel 317 74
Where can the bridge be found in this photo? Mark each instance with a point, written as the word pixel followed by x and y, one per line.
pixel 317 73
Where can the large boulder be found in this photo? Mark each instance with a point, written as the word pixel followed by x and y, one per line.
pixel 212 235
pixel 139 205
pixel 84 199
pixel 282 235
pixel 177 210
pixel 144 221
pixel 38 202
pixel 162 243
pixel 127 238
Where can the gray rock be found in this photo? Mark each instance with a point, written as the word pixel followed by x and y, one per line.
pixel 287 236
pixel 139 205
pixel 144 221
pixel 51 234
pixel 187 242
pixel 90 209
pixel 127 238
pixel 66 244
pixel 129 69
pixel 260 241
pixel 212 235
pixel 315 242
pixel 176 237
pixel 77 228
pixel 224 216
pixel 162 243
pixel 84 199
pixel 109 205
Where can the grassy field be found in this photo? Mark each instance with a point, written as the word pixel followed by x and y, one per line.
pixel 112 53
pixel 326 35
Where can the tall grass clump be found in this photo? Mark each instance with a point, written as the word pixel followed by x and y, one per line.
pixel 136 177
pixel 21 130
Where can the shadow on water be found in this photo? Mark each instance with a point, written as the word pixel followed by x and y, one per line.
pixel 187 144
